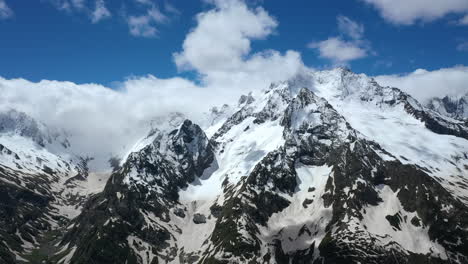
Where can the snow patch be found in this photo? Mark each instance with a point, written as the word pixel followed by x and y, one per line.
pixel 301 225
pixel 410 237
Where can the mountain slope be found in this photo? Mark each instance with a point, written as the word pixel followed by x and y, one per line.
pixel 328 167
pixel 40 190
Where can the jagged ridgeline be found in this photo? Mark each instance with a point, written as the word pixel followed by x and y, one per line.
pixel 328 167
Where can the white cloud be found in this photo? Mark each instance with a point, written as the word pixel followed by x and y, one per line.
pixel 219 48
pixel 423 84
pixel 100 12
pixel 340 50
pixel 407 12
pixel 145 25
pixel 5 11
pixel 222 37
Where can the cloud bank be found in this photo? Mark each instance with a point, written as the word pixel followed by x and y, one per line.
pixel 104 121
pixel 424 84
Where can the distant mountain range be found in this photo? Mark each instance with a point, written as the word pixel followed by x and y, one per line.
pixel 455 107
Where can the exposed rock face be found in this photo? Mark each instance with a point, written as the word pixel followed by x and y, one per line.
pixel 328 167
pixel 199 219
pixel 133 213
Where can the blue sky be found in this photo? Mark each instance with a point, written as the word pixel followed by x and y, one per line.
pixel 44 39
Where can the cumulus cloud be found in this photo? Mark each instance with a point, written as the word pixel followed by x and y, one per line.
pixel 424 84
pixel 5 11
pixel 222 37
pixel 219 48
pixel 407 12
pixel 100 12
pixel 340 50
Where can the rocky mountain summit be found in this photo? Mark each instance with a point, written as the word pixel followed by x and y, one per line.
pixel 327 167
